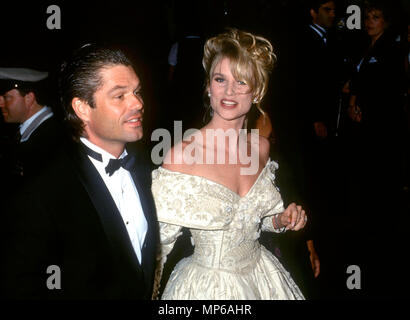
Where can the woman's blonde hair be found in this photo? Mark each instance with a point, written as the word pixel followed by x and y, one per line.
pixel 251 58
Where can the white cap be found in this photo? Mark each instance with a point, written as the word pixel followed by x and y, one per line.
pixel 22 74
pixel 19 78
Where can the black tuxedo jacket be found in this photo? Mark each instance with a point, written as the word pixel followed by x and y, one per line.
pixel 66 217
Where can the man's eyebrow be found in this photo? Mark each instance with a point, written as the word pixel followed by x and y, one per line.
pixel 117 87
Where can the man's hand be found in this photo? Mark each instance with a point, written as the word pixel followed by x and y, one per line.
pixel 320 129
pixel 354 113
pixel 314 258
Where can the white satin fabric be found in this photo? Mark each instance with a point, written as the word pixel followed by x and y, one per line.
pixel 228 262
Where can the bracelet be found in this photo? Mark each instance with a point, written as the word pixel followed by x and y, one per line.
pixel 277 224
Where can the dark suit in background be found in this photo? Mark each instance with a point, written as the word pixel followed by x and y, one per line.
pixel 33 154
pixel 22 160
pixel 319 73
pixel 376 168
pixel 186 86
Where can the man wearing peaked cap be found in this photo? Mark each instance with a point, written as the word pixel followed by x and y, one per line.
pixel 16 84
pixel 22 92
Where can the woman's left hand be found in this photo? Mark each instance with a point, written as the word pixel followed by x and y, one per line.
pixel 293 218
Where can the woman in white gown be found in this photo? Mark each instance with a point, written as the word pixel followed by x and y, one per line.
pixel 226 204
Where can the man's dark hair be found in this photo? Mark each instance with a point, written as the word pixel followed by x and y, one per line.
pixel 80 77
pixel 37 89
pixel 316 4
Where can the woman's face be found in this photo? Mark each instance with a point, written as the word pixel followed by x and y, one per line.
pixel 230 98
pixel 375 23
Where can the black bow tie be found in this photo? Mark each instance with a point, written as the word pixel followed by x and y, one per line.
pixel 114 164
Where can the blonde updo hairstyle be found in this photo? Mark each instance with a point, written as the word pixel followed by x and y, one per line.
pixel 251 58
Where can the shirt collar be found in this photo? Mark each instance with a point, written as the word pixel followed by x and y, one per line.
pixel 26 123
pixel 106 156
pixel 319 30
pixel 323 30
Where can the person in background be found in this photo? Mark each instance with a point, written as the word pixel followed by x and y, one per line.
pixel 24 95
pixel 316 112
pixel 185 75
pixel 375 167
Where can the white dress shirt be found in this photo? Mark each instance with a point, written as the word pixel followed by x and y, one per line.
pixel 125 195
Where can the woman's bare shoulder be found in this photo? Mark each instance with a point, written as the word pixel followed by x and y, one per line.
pixel 174 159
pixel 261 147
pixel 264 149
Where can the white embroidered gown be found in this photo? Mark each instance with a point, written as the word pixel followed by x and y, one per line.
pixel 228 261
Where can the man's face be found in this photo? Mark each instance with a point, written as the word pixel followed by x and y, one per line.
pixel 14 107
pixel 325 15
pixel 117 116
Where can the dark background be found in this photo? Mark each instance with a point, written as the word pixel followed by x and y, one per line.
pixel 147 30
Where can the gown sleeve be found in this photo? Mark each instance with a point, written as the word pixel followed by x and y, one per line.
pixel 169 234
pixel 274 202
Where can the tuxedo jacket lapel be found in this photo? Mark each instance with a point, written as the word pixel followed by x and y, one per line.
pixel 141 175
pixel 107 210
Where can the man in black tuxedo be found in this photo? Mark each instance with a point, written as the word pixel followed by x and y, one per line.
pixel 86 227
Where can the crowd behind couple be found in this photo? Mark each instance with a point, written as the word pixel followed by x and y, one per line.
pixel 96 207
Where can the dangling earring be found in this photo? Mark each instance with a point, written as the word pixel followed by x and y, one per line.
pixel 209 94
